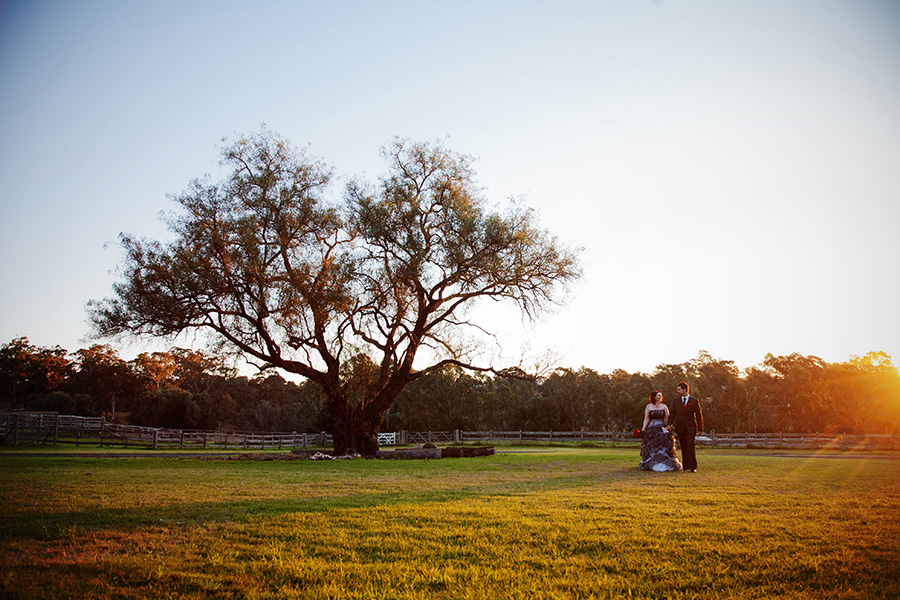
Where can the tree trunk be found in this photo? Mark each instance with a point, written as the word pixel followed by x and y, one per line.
pixel 354 429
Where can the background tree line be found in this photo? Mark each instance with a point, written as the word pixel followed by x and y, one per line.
pixel 181 388
pixel 190 389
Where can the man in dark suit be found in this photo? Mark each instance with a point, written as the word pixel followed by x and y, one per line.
pixel 686 418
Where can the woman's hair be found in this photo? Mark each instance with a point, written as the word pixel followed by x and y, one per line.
pixel 653 396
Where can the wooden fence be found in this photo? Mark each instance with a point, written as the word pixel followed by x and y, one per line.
pixel 555 437
pixel 46 428
pixel 35 429
pixel 836 441
pixel 864 441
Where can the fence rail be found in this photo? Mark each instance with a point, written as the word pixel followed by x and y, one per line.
pixel 47 428
pixel 547 436
pixel 862 441
pixel 837 441
pixel 35 429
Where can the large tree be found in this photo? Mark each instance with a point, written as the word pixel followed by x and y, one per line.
pixel 361 296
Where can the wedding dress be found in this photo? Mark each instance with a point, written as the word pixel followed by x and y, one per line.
pixel 658 445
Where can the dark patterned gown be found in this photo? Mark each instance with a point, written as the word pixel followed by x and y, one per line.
pixel 658 445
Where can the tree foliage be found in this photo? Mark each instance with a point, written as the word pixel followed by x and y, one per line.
pixel 26 369
pixel 861 395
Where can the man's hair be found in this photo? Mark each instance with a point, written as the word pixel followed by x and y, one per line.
pixel 683 385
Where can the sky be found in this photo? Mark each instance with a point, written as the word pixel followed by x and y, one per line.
pixel 731 170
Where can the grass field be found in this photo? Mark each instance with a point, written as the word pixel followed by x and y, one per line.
pixel 526 523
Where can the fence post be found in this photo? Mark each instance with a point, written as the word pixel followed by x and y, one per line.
pixel 56 430
pixel 155 438
pixel 101 435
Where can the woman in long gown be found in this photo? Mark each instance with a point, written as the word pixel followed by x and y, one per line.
pixel 657 442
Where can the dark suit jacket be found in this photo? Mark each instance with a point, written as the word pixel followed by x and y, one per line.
pixel 687 419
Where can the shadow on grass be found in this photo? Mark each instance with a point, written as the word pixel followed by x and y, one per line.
pixel 67 524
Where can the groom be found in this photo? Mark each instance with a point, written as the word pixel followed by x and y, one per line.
pixel 686 418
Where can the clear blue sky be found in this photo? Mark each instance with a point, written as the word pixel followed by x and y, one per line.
pixel 732 169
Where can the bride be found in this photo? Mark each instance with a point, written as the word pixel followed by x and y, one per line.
pixel 657 442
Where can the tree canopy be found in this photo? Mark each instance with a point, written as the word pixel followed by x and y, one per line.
pixel 384 279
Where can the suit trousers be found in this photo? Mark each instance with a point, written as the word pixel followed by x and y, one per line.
pixel 688 450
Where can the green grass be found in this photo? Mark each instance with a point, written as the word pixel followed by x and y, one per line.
pixel 532 523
